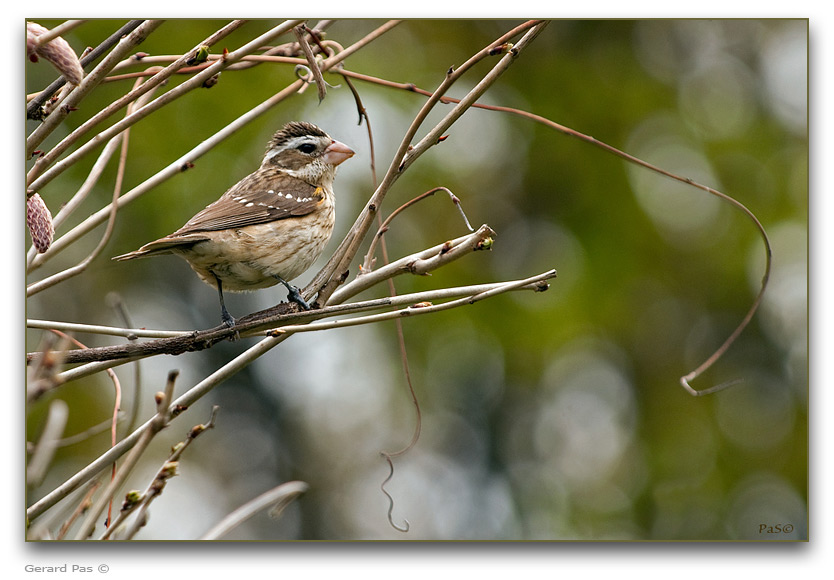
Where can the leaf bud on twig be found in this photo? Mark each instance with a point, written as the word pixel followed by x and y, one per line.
pixel 200 56
pixel 131 499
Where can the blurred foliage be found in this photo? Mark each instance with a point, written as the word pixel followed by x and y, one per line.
pixel 554 416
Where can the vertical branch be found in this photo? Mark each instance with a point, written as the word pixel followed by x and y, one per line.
pixel 47 444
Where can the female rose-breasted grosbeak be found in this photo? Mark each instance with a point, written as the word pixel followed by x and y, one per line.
pixel 270 226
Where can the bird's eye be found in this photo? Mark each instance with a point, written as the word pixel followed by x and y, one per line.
pixel 306 148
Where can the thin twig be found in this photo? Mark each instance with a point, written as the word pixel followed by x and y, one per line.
pixel 351 308
pixel 331 275
pixel 41 376
pixel 82 507
pixel 404 528
pixel 87 433
pixel 37 177
pixel 311 62
pixel 154 426
pixel 686 379
pixel 157 485
pixel 90 81
pixel 278 498
pixel 106 330
pixel 719 352
pixel 418 263
pixel 222 374
pixel 124 138
pixel 56 421
pixel 384 226
pixel 116 302
pixel 188 398
pixel 38 101
pixel 57 31
pixel 117 404
pixel 177 166
pixel 412 310
pixel 158 78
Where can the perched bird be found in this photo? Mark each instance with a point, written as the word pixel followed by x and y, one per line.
pixel 270 226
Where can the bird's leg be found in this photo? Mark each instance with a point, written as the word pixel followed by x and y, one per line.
pixel 228 319
pixel 294 295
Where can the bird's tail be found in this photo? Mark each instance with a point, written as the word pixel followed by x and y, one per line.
pixel 162 246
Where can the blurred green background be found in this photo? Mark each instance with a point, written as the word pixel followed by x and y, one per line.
pixel 554 416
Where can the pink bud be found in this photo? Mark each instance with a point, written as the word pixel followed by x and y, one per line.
pixel 57 51
pixel 39 221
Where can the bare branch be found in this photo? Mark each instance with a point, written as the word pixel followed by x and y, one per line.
pixel 311 62
pixel 141 89
pixel 100 358
pixel 278 497
pixel 177 166
pixel 34 106
pixel 90 81
pixel 123 138
pixel 56 421
pixel 419 263
pixel 107 330
pixel 279 322
pixel 154 426
pixel 331 275
pixel 157 485
pixel 123 446
pixel 193 83
pixel 59 30
pixel 414 310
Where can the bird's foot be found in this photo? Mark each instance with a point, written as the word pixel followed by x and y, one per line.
pixel 229 322
pixel 295 296
pixel 293 293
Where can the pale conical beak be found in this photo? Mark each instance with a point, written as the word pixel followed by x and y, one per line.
pixel 337 152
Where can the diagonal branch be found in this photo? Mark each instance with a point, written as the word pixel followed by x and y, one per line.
pixel 43 96
pixel 185 400
pixel 90 81
pixel 333 273
pixel 194 82
pixel 122 138
pixel 154 426
pixel 155 81
pixel 277 498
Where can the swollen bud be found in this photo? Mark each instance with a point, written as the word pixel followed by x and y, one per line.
pixel 39 221
pixel 57 51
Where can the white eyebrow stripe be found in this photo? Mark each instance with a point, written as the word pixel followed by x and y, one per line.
pixel 291 144
pixel 273 152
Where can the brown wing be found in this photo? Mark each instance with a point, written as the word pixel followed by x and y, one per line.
pixel 256 199
pixel 262 197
